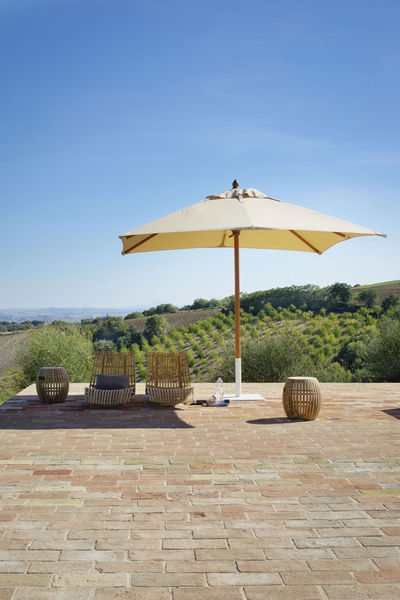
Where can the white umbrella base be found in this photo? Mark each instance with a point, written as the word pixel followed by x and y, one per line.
pixel 238 384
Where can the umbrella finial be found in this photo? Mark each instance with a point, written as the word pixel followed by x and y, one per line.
pixel 235 184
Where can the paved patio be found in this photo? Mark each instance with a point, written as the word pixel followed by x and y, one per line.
pixel 201 503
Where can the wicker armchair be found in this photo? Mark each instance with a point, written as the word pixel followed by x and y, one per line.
pixel 168 379
pixel 111 363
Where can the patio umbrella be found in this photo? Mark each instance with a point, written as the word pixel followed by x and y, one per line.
pixel 244 218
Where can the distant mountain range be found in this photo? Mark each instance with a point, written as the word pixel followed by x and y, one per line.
pixel 75 314
pixel 62 314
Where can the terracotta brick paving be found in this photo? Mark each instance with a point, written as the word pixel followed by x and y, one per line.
pixel 200 503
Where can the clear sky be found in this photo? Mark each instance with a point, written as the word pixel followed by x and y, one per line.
pixel 116 112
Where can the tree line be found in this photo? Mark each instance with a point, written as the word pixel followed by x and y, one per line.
pixel 339 297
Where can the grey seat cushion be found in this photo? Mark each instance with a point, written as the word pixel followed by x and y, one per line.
pixel 112 382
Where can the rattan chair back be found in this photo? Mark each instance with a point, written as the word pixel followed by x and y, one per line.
pixel 111 363
pixel 168 378
pixel 114 363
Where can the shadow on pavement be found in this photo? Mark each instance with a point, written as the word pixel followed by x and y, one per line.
pixel 274 421
pixel 393 412
pixel 28 413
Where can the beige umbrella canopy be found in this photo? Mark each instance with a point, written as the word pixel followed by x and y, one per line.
pixel 246 218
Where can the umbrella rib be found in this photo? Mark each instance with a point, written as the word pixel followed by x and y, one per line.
pixel 300 237
pixel 139 243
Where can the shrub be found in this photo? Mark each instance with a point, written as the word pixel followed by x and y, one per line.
pixel 327 350
pixel 135 348
pixel 217 337
pixel 198 350
pixel 156 325
pixel 155 341
pixel 206 324
pixel 339 296
pixel 333 373
pixel 65 347
pixel 160 309
pixel 318 341
pixel 104 346
pixel 337 331
pixel 219 325
pixel 145 346
pixel 349 355
pixel 351 331
pixel 390 301
pixel 157 348
pixel 382 356
pixel 109 328
pixel 10 385
pixel 194 328
pixel 133 315
pixel 169 345
pixel 141 372
pixel 190 358
pixel 368 297
pixel 272 359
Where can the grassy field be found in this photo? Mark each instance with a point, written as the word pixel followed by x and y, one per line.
pixel 383 289
pixel 7 345
pixel 9 381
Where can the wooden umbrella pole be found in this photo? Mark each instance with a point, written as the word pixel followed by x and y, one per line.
pixel 238 359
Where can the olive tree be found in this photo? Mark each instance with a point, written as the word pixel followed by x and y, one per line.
pixel 67 346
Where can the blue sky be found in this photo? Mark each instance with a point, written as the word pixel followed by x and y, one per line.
pixel 117 112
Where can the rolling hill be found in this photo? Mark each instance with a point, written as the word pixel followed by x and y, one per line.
pixel 203 332
pixel 383 289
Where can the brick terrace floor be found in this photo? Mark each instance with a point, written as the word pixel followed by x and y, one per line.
pixel 199 503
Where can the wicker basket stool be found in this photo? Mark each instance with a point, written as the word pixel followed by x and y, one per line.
pixel 302 398
pixel 52 384
pixel 168 379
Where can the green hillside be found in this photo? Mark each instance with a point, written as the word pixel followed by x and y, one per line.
pixel 325 336
pixel 177 319
pixel 331 333
pixel 331 326
pixel 383 289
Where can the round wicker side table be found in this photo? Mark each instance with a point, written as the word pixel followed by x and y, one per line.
pixel 52 384
pixel 301 398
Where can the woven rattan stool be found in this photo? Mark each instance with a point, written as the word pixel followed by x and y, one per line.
pixel 52 384
pixel 302 398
